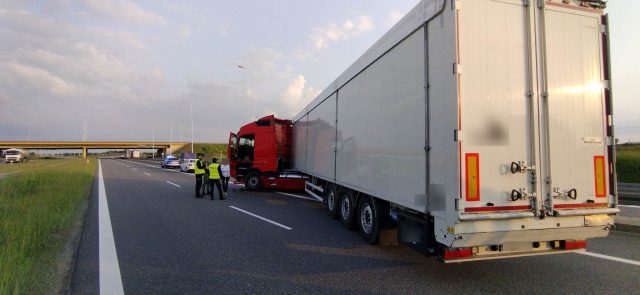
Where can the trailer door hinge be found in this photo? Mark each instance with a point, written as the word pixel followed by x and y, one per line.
pixel 606 84
pixel 609 141
pixel 525 3
pixel 604 29
pixel 541 4
pixel 455 5
pixel 457 69
pixel 458 135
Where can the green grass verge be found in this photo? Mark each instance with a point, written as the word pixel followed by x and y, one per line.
pixel 628 164
pixel 33 164
pixel 37 209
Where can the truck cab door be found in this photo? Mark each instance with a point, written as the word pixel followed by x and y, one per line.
pixel 574 112
pixel 232 153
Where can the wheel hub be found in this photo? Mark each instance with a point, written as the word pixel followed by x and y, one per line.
pixel 366 218
pixel 346 207
pixel 331 201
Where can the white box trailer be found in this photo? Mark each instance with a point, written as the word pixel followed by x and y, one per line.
pixel 483 126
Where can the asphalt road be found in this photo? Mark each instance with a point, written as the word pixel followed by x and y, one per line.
pixel 168 242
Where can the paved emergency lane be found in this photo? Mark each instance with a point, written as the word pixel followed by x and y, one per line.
pixel 169 242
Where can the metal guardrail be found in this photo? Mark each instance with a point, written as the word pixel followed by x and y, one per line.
pixel 629 193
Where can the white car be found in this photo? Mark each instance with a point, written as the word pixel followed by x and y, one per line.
pixel 187 165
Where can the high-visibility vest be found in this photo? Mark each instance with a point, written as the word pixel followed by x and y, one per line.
pixel 213 171
pixel 197 170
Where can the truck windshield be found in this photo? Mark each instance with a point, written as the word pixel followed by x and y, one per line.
pixel 12 153
pixel 245 147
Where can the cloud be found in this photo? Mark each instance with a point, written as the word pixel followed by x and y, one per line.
pixel 55 72
pixel 38 79
pixel 184 31
pixel 321 38
pixel 124 10
pixel 296 95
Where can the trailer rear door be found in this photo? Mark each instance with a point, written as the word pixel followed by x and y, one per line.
pixel 495 109
pixel 574 101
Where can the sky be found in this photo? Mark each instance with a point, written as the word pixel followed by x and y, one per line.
pixel 132 70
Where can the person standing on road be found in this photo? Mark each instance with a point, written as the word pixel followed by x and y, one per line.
pixel 206 189
pixel 214 177
pixel 199 172
pixel 225 170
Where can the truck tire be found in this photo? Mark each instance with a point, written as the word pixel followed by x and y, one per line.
pixel 368 219
pixel 347 207
pixel 331 198
pixel 252 181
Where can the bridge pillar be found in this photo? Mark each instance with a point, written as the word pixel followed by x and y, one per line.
pixel 84 152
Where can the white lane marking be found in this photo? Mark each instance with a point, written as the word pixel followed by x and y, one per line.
pixel 300 197
pixel 629 206
pixel 147 173
pixel 171 183
pixel 610 258
pixel 128 166
pixel 136 169
pixel 110 279
pixel 143 164
pixel 261 218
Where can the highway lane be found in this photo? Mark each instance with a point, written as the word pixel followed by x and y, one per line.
pixel 169 242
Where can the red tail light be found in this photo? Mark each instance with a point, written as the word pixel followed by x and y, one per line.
pixel 575 244
pixel 459 253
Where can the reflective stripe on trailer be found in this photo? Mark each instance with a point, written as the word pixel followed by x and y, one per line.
pixel 582 205
pixel 497 208
pixel 599 171
pixel 472 179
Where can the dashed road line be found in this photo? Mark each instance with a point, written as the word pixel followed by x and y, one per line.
pixel 110 278
pixel 143 164
pixel 171 183
pixel 261 218
pixel 147 173
pixel 618 259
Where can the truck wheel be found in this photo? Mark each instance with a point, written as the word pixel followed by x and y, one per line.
pixel 252 181
pixel 347 207
pixel 331 198
pixel 368 221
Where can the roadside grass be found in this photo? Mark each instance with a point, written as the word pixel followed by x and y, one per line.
pixel 13 167
pixel 628 163
pixel 37 210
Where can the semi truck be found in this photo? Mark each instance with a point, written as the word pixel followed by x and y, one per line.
pixel 15 155
pixel 475 129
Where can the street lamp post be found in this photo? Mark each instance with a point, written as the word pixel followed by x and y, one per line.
pixel 191 104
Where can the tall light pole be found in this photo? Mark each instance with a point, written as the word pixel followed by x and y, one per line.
pixel 171 139
pixel 153 144
pixel 191 103
pixel 250 96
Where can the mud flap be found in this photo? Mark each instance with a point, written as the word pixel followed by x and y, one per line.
pixel 417 233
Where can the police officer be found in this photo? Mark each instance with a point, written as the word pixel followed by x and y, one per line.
pixel 199 171
pixel 214 177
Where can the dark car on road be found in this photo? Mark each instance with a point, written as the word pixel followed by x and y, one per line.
pixel 170 162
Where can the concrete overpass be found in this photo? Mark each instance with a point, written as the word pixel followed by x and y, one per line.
pixel 85 145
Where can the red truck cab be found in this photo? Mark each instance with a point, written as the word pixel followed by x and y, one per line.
pixel 260 155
